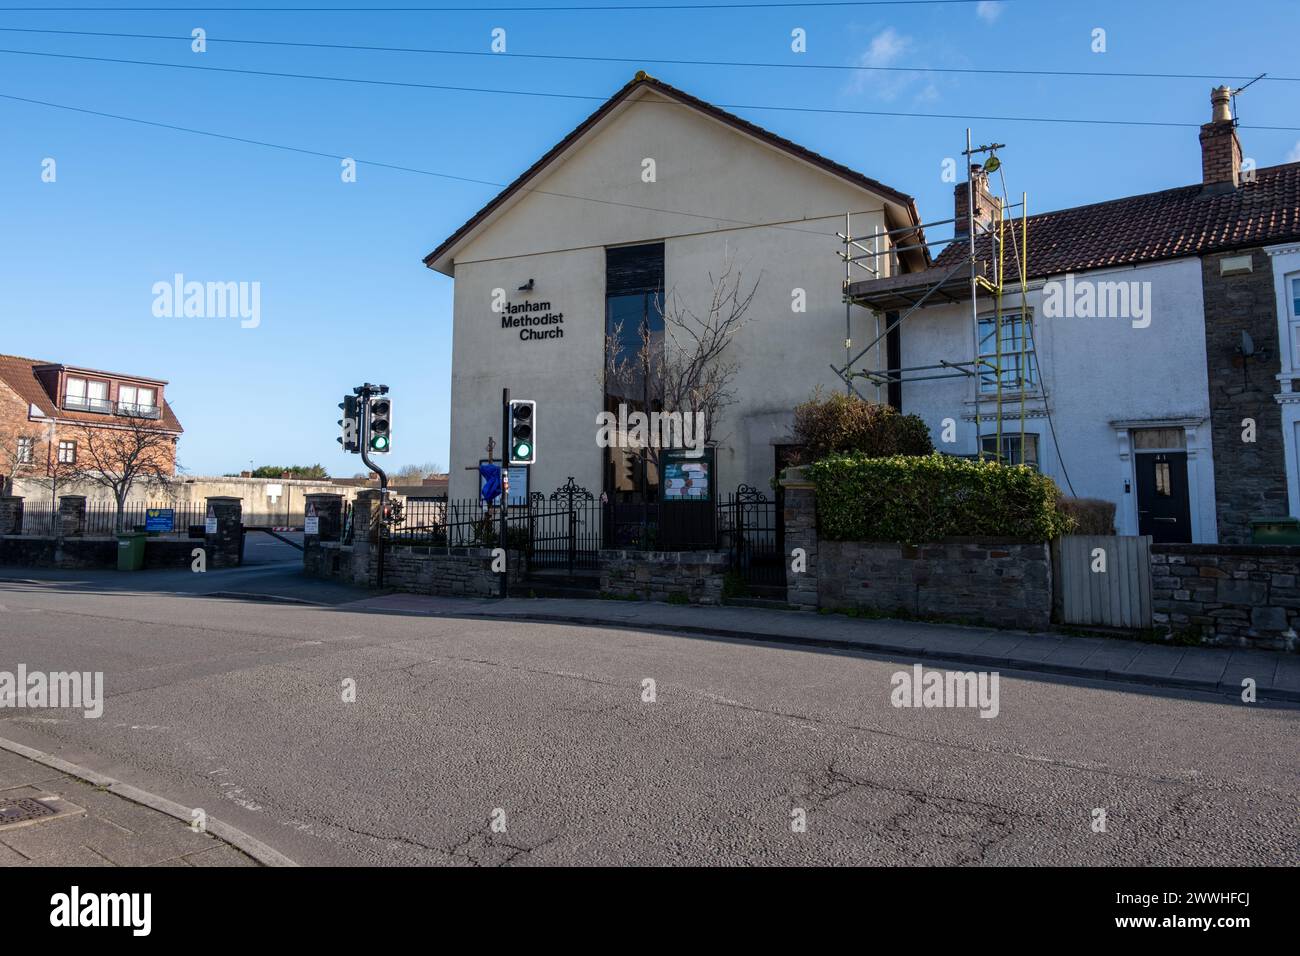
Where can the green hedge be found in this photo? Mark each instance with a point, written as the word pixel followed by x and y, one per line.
pixel 919 499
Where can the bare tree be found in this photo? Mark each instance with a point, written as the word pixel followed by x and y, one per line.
pixel 410 474
pixel 685 368
pixel 119 457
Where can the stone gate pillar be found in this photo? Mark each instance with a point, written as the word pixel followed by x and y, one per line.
pixel 800 514
pixel 328 511
pixel 72 516
pixel 11 514
pixel 223 535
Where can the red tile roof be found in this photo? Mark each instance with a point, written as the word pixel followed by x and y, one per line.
pixel 20 375
pixel 1187 221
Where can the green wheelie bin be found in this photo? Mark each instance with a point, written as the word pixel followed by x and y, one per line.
pixel 130 551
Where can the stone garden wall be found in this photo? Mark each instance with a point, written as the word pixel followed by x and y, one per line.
pixel 1234 595
pixel 685 577
pixel 965 580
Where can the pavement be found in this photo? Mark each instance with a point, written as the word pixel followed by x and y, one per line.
pixel 49 817
pixel 1215 670
pixel 525 732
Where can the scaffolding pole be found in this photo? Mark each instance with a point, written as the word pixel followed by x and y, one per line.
pixel 881 375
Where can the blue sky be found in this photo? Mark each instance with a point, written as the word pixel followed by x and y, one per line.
pixel 344 295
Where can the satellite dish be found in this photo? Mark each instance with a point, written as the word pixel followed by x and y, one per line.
pixel 1247 344
pixel 992 165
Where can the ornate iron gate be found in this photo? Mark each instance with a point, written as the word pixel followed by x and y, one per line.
pixel 564 530
pixel 750 528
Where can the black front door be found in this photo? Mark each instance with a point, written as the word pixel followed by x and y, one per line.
pixel 1164 504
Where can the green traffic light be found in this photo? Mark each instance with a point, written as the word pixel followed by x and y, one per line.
pixel 379 442
pixel 523 450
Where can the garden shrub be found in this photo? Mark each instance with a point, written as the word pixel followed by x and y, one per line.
pixel 1091 515
pixel 849 425
pixel 919 499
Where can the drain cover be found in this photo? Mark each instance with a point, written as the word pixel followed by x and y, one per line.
pixel 24 810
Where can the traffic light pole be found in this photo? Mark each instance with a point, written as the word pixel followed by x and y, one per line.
pixel 367 390
pixel 506 451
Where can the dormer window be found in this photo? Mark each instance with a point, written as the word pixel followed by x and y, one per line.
pixel 138 401
pixel 87 395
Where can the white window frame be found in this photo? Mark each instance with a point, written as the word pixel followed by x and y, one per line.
pixel 1009 438
pixel 67 452
pixel 26 450
pixel 990 386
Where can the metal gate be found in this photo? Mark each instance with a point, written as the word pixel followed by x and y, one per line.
pixel 1104 580
pixel 564 530
pixel 751 530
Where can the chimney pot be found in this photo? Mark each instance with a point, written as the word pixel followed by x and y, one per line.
pixel 1221 103
pixel 1220 147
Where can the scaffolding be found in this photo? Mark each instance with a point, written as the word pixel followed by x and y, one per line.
pixel 909 293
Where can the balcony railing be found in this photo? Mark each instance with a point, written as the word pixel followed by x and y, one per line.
pixel 80 403
pixel 136 410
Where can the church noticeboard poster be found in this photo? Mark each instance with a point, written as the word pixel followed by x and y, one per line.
pixel 686 478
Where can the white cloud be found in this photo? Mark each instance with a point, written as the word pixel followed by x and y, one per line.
pixel 988 10
pixel 886 47
pixel 1294 155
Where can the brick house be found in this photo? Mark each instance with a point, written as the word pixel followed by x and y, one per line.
pixel 46 409
pixel 1169 412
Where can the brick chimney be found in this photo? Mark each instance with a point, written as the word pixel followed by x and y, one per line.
pixel 1220 148
pixel 986 204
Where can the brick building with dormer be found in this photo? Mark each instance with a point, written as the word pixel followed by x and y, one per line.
pixel 46 409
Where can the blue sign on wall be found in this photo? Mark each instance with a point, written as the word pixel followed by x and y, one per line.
pixel 159 519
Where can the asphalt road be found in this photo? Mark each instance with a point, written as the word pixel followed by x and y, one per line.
pixel 236 706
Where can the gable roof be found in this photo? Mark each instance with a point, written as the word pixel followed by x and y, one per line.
pixel 1187 221
pixel 641 81
pixel 20 375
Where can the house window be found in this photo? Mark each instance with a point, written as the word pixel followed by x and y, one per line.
pixel 68 452
pixel 1295 297
pixel 1017 363
pixel 86 395
pixel 1011 449
pixel 134 400
pixel 25 448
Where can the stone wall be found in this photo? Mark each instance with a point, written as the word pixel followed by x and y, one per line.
pixel 1249 477
pixel 458 572
pixel 34 551
pixel 1221 594
pixel 965 580
pixel 693 577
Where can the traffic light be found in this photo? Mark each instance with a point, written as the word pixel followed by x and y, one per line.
pixel 379 428
pixel 523 432
pixel 351 425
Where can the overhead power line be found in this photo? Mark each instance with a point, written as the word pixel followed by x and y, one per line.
pixel 566 8
pixel 834 67
pixel 411 169
pixel 410 84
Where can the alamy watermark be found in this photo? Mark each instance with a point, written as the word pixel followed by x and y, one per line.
pixel 179 299
pixel 1098 299
pixel 78 690
pixel 626 429
pixel 921 688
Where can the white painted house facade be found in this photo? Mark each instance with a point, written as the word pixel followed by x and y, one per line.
pixel 1107 405
pixel 1157 328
